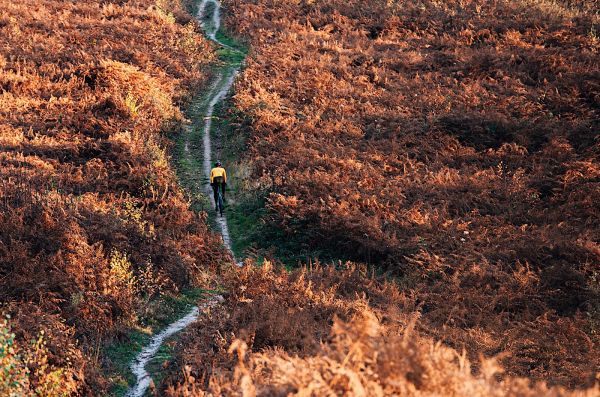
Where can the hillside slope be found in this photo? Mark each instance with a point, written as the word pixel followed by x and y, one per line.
pixel 453 145
pixel 93 223
pixel 327 331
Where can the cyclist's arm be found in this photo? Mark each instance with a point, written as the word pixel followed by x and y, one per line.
pixel 224 176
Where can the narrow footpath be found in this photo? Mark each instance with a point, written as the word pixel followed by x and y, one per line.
pixel 202 109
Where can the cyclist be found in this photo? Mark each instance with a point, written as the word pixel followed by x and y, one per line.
pixel 218 180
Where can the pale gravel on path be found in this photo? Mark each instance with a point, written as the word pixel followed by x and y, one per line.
pixel 138 366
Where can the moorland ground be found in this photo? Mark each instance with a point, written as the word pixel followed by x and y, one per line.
pixel 452 146
pixel 447 150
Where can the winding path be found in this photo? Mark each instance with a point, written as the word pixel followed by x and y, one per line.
pixel 221 85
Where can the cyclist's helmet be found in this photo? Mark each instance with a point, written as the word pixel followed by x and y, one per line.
pixel 218 164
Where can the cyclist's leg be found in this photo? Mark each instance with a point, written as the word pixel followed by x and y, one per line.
pixel 221 199
pixel 215 187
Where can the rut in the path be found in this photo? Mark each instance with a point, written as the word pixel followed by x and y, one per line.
pixel 222 84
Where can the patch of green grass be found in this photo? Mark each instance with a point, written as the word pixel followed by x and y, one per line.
pixel 227 39
pixel 235 54
pixel 171 307
pixel 231 57
pixel 188 164
pixel 119 356
pixel 164 355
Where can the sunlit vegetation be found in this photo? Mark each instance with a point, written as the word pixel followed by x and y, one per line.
pixel 327 331
pixel 449 150
pixel 93 224
pixel 453 145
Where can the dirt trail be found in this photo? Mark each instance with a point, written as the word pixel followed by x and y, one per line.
pixel 218 96
pixel 139 365
pixel 222 83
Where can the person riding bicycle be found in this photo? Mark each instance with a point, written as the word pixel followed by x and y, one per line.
pixel 218 180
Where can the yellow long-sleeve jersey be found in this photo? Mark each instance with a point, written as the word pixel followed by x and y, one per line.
pixel 218 171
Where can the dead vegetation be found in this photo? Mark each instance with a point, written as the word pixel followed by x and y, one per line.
pixel 453 145
pixel 93 223
pixel 327 332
